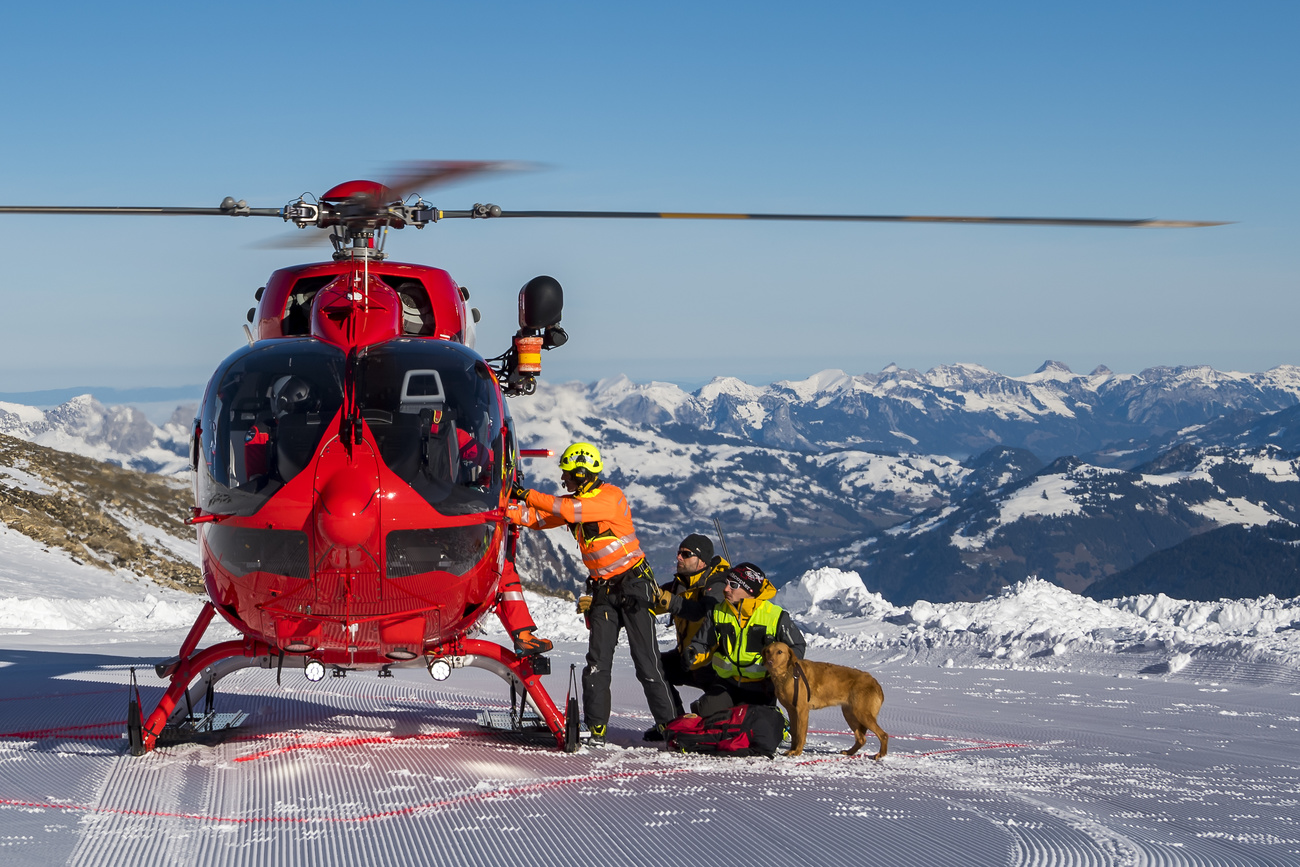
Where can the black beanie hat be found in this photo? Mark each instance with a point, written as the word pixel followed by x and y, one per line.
pixel 748 576
pixel 700 545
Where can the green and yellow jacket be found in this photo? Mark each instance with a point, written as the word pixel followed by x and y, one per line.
pixel 732 638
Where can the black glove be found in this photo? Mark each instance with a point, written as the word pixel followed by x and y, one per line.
pixel 518 492
pixel 638 592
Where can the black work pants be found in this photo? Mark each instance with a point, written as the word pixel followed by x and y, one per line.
pixel 722 695
pixel 678 674
pixel 618 604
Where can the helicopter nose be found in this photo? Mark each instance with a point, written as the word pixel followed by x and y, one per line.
pixel 347 515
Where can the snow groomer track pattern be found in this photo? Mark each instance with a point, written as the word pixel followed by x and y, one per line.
pixel 985 767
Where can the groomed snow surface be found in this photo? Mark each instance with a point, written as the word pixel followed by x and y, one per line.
pixel 1037 728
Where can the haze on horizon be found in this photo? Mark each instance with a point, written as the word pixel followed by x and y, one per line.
pixel 1169 110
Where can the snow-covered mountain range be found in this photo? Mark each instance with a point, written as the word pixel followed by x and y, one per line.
pixel 946 485
pixel 957 410
pixel 120 435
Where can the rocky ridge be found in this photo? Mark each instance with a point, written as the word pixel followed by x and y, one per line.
pixel 99 513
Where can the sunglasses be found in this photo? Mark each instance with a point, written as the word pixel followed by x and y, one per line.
pixel 736 583
pixel 686 555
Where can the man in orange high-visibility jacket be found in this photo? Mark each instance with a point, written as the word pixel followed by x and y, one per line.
pixel 620 590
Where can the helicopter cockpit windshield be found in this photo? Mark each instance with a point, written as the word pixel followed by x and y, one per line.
pixel 436 418
pixel 263 418
pixel 430 406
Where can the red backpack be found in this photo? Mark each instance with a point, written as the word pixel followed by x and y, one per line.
pixel 745 730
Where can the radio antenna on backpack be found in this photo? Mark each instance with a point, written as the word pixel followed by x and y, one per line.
pixel 722 537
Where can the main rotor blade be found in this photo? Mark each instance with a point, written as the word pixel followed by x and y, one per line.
pixel 148 212
pixel 421 175
pixel 303 238
pixel 841 218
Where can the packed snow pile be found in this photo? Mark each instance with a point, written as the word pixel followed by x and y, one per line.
pixel 557 618
pixel 47 588
pixel 1234 617
pixel 833 591
pixel 1035 620
pixel 149 612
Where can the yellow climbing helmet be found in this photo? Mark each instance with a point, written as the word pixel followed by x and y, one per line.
pixel 582 456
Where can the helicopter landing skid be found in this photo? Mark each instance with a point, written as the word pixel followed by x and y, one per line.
pixel 523 673
pixel 193 674
pixel 208 729
pixel 527 725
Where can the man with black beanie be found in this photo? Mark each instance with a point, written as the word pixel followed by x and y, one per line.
pixel 697 587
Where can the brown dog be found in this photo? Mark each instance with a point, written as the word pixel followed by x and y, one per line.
pixel 803 685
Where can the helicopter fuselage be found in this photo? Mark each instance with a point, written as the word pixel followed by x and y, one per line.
pixel 352 466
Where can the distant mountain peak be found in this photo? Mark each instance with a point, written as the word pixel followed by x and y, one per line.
pixel 1058 366
pixel 728 385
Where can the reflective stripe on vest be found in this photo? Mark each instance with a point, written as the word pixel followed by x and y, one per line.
pixel 733 658
pixel 620 565
pixel 598 560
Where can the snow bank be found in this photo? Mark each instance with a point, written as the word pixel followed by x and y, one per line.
pixel 102 613
pixel 832 591
pixel 47 588
pixel 1035 619
pixel 1237 617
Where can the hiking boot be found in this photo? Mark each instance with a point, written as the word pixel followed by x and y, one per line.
pixel 527 644
pixel 654 734
pixel 597 738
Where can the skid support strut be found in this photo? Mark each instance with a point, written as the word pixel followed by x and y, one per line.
pixel 523 671
pixel 208 666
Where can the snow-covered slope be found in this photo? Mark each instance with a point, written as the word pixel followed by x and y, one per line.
pixel 1036 727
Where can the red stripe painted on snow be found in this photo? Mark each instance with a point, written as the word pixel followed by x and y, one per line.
pixel 61 732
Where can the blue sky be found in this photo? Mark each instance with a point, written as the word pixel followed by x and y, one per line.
pixel 1174 110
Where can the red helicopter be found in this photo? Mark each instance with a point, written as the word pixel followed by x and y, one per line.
pixel 352 463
